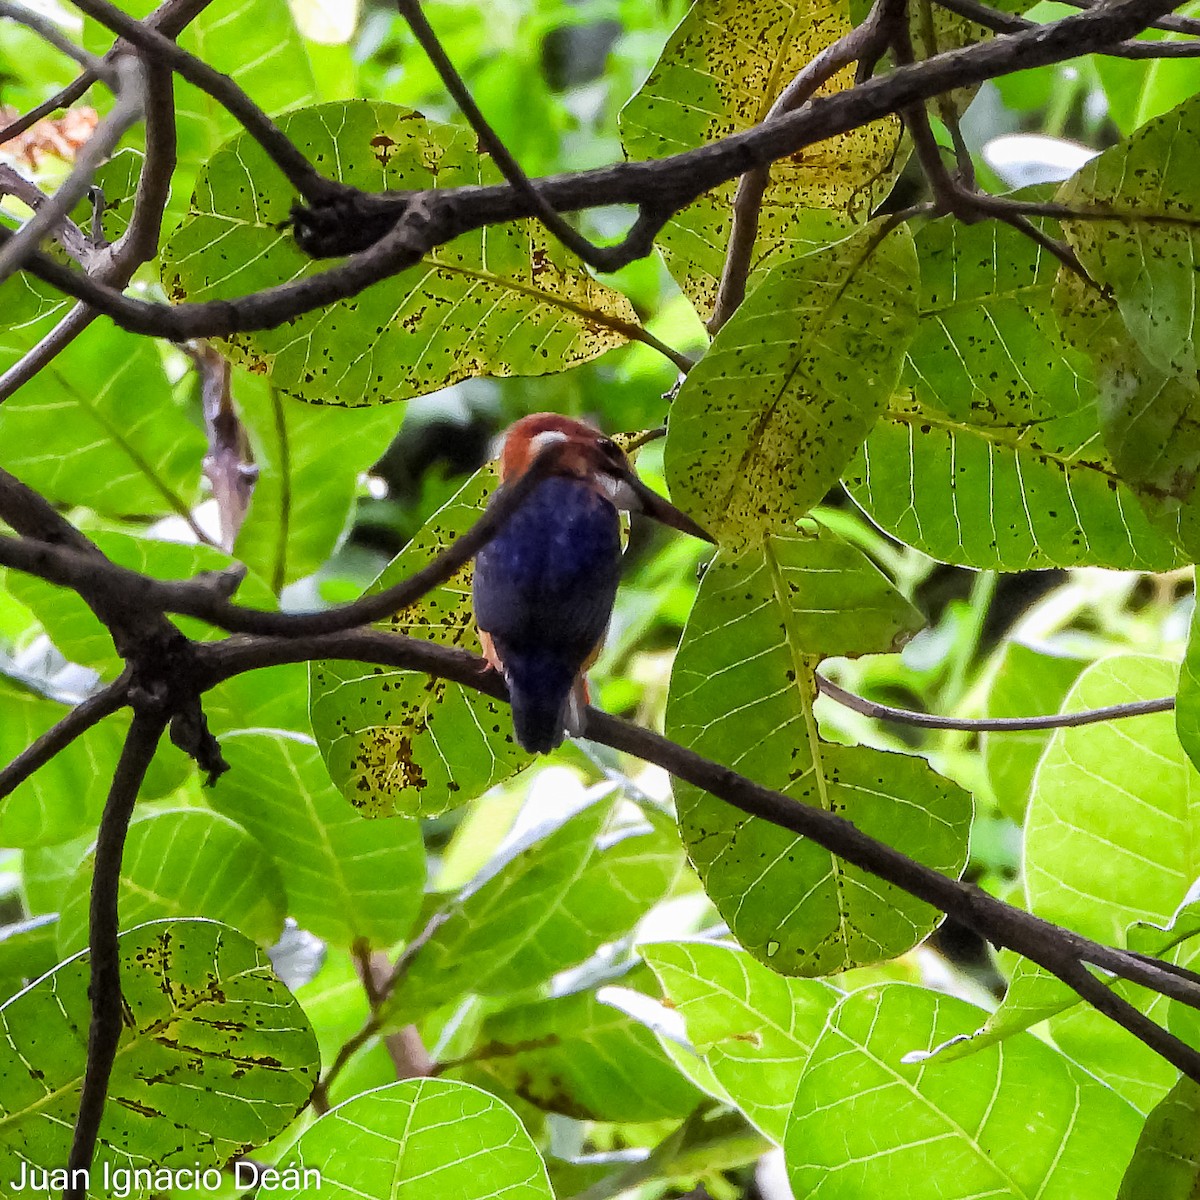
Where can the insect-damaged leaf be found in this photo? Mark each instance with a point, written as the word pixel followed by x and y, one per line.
pixel 1147 253
pixel 767 419
pixel 742 693
pixel 719 74
pixel 990 454
pixel 398 741
pixel 215 1057
pixel 506 300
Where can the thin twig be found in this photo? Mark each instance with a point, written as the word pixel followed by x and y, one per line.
pixel 72 239
pixel 161 49
pixel 1002 22
pixel 58 737
pixel 865 41
pixel 920 720
pixel 116 264
pixel 104 957
pixel 127 110
pixel 491 141
pixel 63 99
pixel 378 1018
pixel 171 18
pixel 206 598
pixel 1171 22
pixel 386 234
pixel 1058 950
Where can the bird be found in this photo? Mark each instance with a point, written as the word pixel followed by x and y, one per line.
pixel 544 586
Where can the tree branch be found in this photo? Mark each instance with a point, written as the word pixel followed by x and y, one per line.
pixel 127 110
pixel 920 720
pixel 384 234
pixel 867 41
pixel 76 722
pixel 158 48
pixel 206 597
pixel 1002 22
pixel 104 987
pixel 97 68
pixel 1057 950
pixel 608 258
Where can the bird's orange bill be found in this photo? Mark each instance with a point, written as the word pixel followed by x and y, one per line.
pixel 653 505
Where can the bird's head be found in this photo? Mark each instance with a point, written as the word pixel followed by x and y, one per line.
pixel 585 453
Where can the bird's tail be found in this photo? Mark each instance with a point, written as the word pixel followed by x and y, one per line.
pixel 539 688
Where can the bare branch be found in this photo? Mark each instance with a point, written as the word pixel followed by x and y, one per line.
pixel 228 464
pixel 384 234
pixel 77 721
pixel 115 265
pixel 104 987
pixel 920 720
pixel 159 48
pixel 1176 24
pixel 72 239
pixel 1002 22
pixel 867 41
pixel 602 258
pixel 127 110
pixel 63 99
pixel 106 583
pixel 1057 950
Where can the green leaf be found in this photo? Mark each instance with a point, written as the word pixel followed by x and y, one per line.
pixel 346 878
pixel 64 798
pixel 309 458
pixel 1017 1121
pixel 421 1138
pixel 272 698
pixel 99 425
pixel 1094 1041
pixel 506 300
pixel 397 741
pixel 498 920
pixel 754 1028
pixel 1025 683
pixel 633 865
pixel 719 74
pixel 994 498
pixel 1109 833
pixel 1146 253
pixel 1145 411
pixel 1187 703
pixel 1166 1163
pixel 79 633
pixel 767 419
pixel 742 691
pixel 185 863
pixel 580 1057
pixel 987 350
pixel 215 1057
pixel 997 416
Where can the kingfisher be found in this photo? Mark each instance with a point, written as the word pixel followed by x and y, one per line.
pixel 544 586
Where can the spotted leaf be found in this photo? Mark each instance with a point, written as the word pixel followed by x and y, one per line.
pixel 506 300
pixel 767 419
pixel 719 74
pixel 397 741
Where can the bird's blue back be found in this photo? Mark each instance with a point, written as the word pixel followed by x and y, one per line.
pixel 544 590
